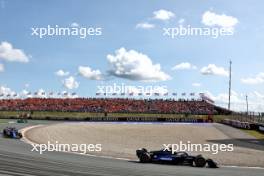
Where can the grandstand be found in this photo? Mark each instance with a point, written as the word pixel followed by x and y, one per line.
pixel 113 105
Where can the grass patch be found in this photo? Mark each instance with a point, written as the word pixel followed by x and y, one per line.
pixel 254 133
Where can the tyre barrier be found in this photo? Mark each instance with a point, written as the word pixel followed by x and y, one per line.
pixel 261 128
pixel 244 125
pixel 238 124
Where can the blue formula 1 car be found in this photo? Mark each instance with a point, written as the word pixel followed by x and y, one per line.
pixel 177 158
pixel 11 132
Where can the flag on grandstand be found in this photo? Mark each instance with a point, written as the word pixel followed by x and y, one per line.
pixel 8 95
pixel 97 93
pixel 166 94
pixel 148 93
pixel 1 95
pixel 51 93
pixel 14 95
pixel 156 94
pixel 123 93
pixel 192 94
pixel 131 94
pixel 74 93
pixel 58 93
pixel 42 93
pixel 139 94
pixel 201 94
pixel 114 93
pixel 65 93
pixel 29 93
pixel 36 93
pixel 183 94
pixel 174 94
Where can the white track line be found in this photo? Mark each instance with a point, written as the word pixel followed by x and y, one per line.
pixel 243 167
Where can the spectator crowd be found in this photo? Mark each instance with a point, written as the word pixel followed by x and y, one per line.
pixel 111 105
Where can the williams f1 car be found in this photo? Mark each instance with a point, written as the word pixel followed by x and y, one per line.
pixel 177 158
pixel 11 132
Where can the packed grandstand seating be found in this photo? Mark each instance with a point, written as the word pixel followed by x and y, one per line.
pixel 111 105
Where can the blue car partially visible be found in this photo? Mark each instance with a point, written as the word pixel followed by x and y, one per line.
pixel 11 132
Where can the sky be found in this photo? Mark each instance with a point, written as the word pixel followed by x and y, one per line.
pixel 132 43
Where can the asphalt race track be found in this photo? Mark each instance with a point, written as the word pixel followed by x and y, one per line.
pixel 17 159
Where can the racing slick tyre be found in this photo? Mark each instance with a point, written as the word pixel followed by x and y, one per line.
pixel 4 133
pixel 144 158
pixel 19 135
pixel 211 163
pixel 144 150
pixel 199 161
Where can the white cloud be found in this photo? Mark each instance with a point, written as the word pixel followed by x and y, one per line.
pixel 5 90
pixel 25 93
pixel 212 69
pixel 8 53
pixel 213 19
pixel 238 101
pixel 12 94
pixel 2 68
pixel 184 66
pixel 196 84
pixel 258 79
pixel 74 24
pixel 259 95
pixel 163 14
pixel 62 73
pixel 223 98
pixel 88 73
pixel 135 66
pixel 70 83
pixel 145 25
pixel 181 21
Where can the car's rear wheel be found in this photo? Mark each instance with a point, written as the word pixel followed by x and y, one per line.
pixel 144 158
pixel 4 133
pixel 211 163
pixel 20 135
pixel 200 161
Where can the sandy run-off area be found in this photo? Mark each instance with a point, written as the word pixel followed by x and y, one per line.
pixel 122 139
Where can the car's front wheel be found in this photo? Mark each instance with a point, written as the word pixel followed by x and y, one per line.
pixel 200 161
pixel 144 158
